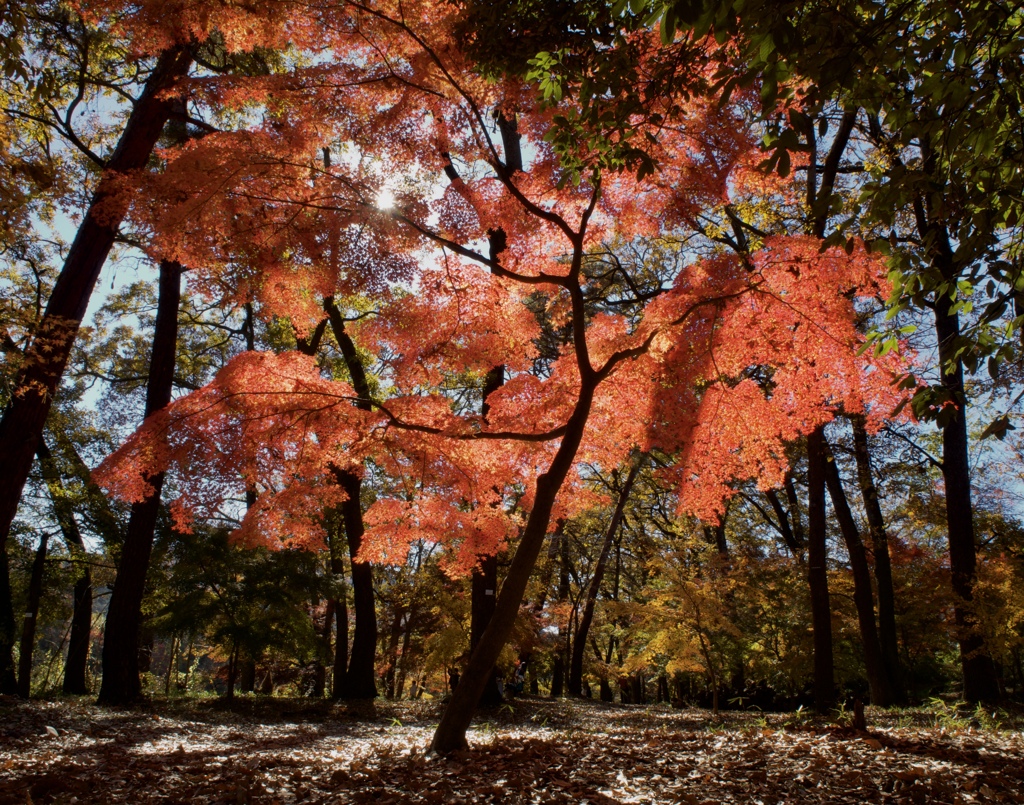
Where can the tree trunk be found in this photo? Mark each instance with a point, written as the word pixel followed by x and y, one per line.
pixel 172 654
pixel 402 661
pixel 451 731
pixel 887 633
pixel 80 636
pixel 8 679
pixel 558 670
pixel 232 672
pixel 340 633
pixel 817 572
pixel 28 627
pixel 394 639
pixel 47 356
pixel 980 680
pixel 579 643
pixel 881 687
pixel 788 535
pixel 359 681
pixel 484 586
pixel 121 684
pixel 247 675
pixel 484 591
pixel 320 671
pixel 606 689
pixel 794 512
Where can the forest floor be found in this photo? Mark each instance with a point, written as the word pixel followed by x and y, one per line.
pixel 531 751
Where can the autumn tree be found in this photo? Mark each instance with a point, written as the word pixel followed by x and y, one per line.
pixel 274 421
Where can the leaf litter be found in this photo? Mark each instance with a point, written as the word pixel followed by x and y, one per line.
pixel 532 751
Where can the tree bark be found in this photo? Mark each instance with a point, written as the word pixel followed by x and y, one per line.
pixel 579 643
pixel 359 680
pixel 80 635
pixel 28 627
pixel 887 633
pixel 881 687
pixel 981 683
pixel 47 356
pixel 817 572
pixel 483 594
pixel 785 530
pixel 451 731
pixel 340 633
pixel 121 684
pixel 558 669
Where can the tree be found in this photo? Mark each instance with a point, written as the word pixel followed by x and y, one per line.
pixel 46 357
pixel 682 359
pixel 939 89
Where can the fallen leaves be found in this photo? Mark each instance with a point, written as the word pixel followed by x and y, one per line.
pixel 276 751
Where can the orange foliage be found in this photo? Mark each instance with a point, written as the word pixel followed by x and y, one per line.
pixel 728 364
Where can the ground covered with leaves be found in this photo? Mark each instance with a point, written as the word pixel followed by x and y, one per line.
pixel 532 751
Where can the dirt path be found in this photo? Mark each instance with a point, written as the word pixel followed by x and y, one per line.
pixel 285 751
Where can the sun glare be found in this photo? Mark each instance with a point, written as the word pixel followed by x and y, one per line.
pixel 385 199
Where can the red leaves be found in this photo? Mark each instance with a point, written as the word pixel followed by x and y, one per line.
pixel 737 358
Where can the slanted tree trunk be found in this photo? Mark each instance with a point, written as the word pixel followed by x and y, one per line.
pixel 451 731
pixel 28 627
pixel 79 638
pixel 484 586
pixel 121 638
pixel 887 634
pixel 47 356
pixel 579 642
pixel 881 687
pixel 817 572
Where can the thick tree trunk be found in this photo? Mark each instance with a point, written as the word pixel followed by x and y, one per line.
pixel 451 731
pixel 121 684
pixel 817 572
pixel 579 643
pixel 80 636
pixel 881 687
pixel 980 680
pixel 47 356
pixel 28 627
pixel 887 634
